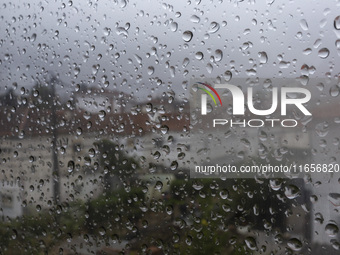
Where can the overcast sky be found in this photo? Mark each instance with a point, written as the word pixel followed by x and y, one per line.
pixel 132 45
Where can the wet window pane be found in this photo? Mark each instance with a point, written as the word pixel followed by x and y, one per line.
pixel 180 127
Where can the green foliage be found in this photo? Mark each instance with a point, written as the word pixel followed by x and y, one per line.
pixel 115 162
pixel 114 208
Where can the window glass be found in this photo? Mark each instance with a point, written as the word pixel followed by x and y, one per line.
pixel 179 127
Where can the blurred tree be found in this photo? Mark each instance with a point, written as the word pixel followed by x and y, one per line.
pixel 8 99
pixel 117 166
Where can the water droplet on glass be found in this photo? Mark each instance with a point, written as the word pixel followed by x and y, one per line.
pixel 323 53
pixel 337 23
pixel 122 3
pixel 307 51
pixel 209 68
pixel 334 91
pixel 187 36
pixel 172 71
pixel 197 185
pixel 322 129
pixel 14 234
pixel 263 57
pixel 169 209
pixel 214 27
pixel 151 70
pixel 194 19
pixel 295 244
pixel 224 194
pixel 334 198
pixel 275 184
pixel 164 129
pixel 156 155
pixel 102 231
pixel 79 131
pixel 303 24
pixel 284 64
pixel 199 55
pixel 331 229
pixel 218 55
pixel 251 243
pixel 102 114
pixel 159 185
pixel 70 166
pixel 292 191
pixel 174 165
pixel 185 63
pixel 174 26
pixel 227 75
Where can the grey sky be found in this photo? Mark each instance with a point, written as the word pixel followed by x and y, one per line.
pixel 118 42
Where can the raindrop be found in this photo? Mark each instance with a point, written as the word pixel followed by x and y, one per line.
pixel 169 209
pixel 102 231
pixel 164 129
pixel 174 26
pixel 199 55
pixel 14 234
pixel 194 19
pixel 337 23
pixel 334 91
pixel 122 3
pixel 317 43
pixel 303 24
pixel 323 53
pixel 209 68
pixel 275 184
pixel 181 155
pixel 256 210
pixel 322 129
pixel 319 218
pixel 159 185
pixel 92 153
pixel 138 59
pixel 76 70
pixel 263 57
pixel 227 75
pixel 331 229
pixel 218 55
pixel 284 64
pixel 292 191
pixel 33 37
pixel 214 27
pixel 70 166
pixel 102 114
pixel 156 155
pixel 251 72
pixel 224 194
pixel 295 244
pixel 187 36
pixel 185 63
pixel 151 70
pixel 335 244
pixel 197 186
pixel 79 131
pixel 174 165
pixel 334 198
pixel 251 243
pixel 106 31
pixel 172 71
pixel 307 51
